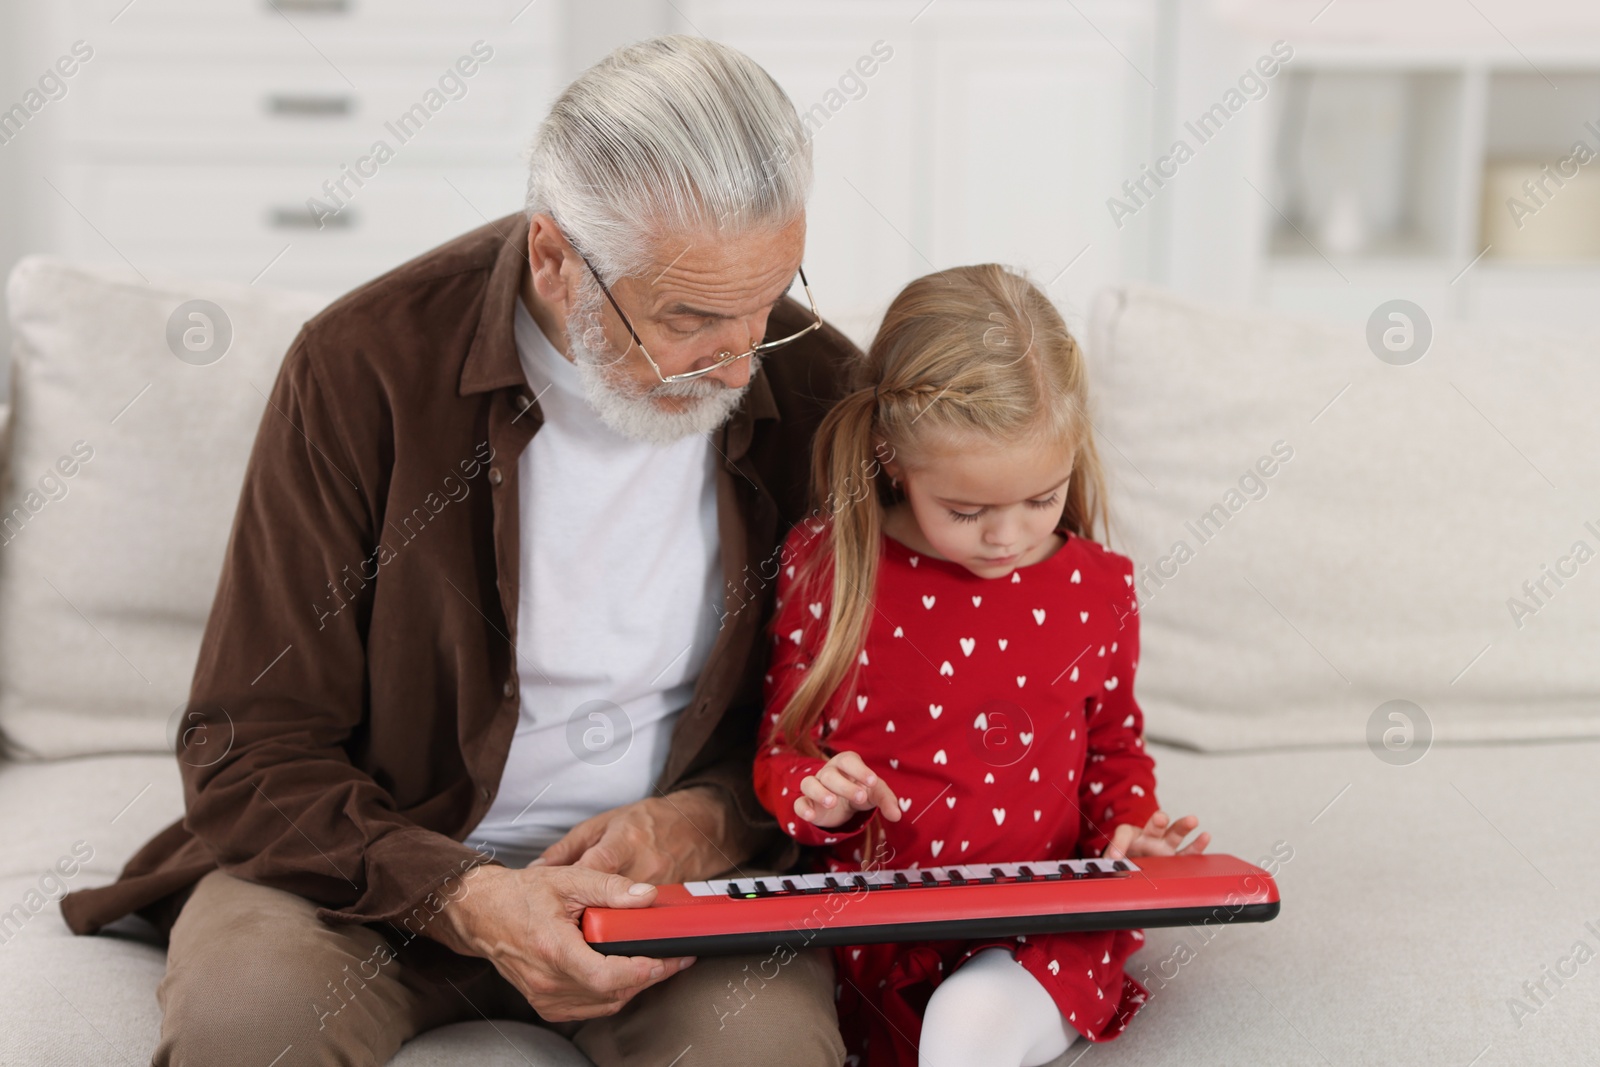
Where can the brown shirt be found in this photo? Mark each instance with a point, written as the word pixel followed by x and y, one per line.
pixel 356 691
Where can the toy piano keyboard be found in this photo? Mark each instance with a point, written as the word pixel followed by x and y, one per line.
pixel 935 903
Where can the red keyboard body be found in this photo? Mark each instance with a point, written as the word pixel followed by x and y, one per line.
pixel 936 903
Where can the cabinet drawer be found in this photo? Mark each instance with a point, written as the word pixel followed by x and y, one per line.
pixel 302 104
pixel 180 219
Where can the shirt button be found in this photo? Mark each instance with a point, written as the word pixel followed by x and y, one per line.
pixel 509 689
pixel 494 476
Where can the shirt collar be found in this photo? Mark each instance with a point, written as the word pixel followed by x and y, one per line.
pixel 492 361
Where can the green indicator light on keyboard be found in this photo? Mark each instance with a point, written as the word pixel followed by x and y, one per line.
pixel 749 896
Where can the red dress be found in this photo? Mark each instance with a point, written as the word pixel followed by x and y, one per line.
pixel 1001 713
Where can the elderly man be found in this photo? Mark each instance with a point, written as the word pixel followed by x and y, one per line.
pixel 486 645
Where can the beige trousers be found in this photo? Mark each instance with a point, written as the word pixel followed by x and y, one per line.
pixel 254 977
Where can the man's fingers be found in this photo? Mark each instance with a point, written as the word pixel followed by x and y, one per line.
pixel 573 844
pixel 611 977
pixel 580 887
pixel 600 857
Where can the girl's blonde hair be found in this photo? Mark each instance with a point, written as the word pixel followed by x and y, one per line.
pixel 975 350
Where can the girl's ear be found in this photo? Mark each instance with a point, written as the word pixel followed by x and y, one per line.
pixel 887 460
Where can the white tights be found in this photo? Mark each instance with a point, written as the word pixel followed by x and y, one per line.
pixel 992 1011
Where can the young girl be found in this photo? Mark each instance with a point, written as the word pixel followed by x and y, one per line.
pixel 952 676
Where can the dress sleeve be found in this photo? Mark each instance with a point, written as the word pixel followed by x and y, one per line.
pixel 798 626
pixel 1119 782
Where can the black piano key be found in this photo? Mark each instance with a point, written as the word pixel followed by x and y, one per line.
pixel 900 880
pixel 1067 871
pixel 1024 873
pixel 995 875
pixel 859 882
pixel 928 879
pixel 790 887
pixel 734 891
pixel 956 877
pixel 761 889
pixel 1119 865
pixel 831 884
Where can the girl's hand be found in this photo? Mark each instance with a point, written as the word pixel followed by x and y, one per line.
pixel 844 786
pixel 1156 839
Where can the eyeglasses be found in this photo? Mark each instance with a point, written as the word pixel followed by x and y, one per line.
pixel 724 357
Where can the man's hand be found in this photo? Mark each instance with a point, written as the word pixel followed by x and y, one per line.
pixel 1155 839
pixel 525 922
pixel 681 837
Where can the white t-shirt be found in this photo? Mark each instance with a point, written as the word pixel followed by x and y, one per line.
pixel 616 612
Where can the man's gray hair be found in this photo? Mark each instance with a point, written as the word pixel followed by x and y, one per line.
pixel 674 135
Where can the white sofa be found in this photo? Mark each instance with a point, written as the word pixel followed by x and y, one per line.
pixel 1418 897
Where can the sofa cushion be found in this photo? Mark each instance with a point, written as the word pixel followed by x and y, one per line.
pixel 124 474
pixel 1317 532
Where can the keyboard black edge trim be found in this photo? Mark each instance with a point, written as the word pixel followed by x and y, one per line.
pixel 955 929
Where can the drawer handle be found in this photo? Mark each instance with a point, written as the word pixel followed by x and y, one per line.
pixel 311 7
pixel 300 218
pixel 309 106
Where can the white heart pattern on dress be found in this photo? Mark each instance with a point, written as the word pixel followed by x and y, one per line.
pixel 1076 577
pixel 1038 616
pixel 999 815
pixel 927 601
pixel 1095 787
pixel 977 600
pixel 950 802
pixel 816 610
pixel 1003 643
pixel 935 846
pixel 1111 682
pixel 946 669
pixel 899 631
pixel 1074 677
pixel 936 710
pixel 914 560
pixel 905 803
pixel 1055 966
pixel 1022 680
pixel 1083 616
pixel 940 757
pixel 861 703
pixel 967 645
pixel 794 635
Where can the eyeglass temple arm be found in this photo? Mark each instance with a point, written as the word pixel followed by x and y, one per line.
pixel 615 306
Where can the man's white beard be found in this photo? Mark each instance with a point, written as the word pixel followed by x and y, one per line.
pixel 627 407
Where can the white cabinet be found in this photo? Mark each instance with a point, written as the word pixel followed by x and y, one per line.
pixel 305 143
